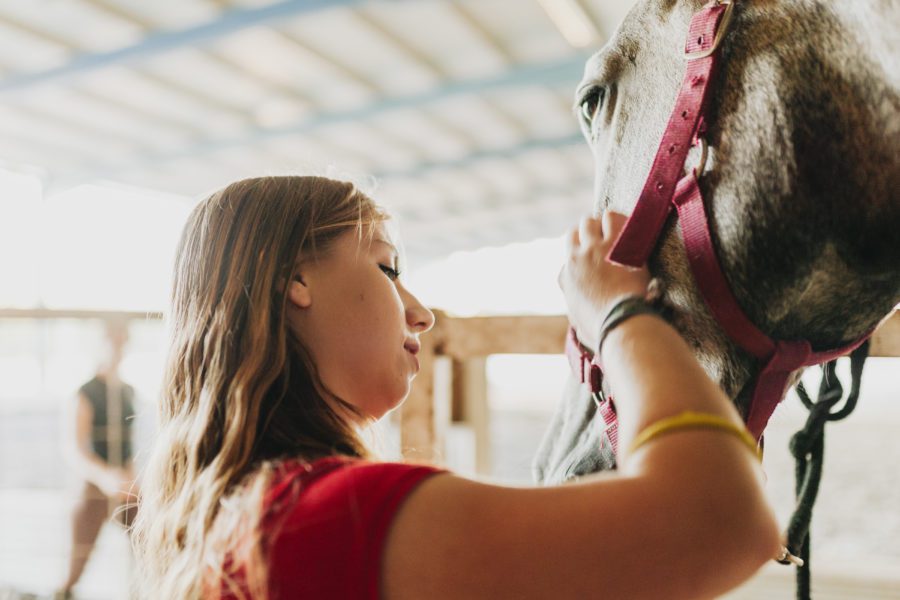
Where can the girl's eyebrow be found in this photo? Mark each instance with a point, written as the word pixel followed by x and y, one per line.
pixel 390 245
pixel 396 257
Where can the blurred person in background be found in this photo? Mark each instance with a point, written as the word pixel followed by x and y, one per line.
pixel 98 440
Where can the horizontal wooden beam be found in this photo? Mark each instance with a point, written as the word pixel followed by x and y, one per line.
pixel 471 337
pixel 53 313
pixel 886 339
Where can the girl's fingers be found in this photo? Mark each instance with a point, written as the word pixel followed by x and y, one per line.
pixel 573 240
pixel 613 223
pixel 589 230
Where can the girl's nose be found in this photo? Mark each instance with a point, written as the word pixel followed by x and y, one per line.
pixel 418 317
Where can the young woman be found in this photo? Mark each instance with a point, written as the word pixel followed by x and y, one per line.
pixel 292 331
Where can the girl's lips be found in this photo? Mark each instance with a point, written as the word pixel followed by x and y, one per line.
pixel 415 359
pixel 412 347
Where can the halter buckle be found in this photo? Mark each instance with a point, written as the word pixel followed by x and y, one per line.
pixel 721 30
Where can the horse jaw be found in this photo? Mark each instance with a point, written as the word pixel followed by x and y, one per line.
pixel 800 263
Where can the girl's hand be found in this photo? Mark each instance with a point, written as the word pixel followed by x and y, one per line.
pixel 591 284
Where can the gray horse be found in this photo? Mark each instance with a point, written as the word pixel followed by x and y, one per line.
pixel 802 186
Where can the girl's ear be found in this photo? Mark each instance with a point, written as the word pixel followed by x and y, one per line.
pixel 298 292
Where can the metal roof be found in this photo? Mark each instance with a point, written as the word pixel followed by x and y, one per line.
pixel 460 110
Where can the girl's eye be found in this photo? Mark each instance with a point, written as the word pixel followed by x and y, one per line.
pixel 392 273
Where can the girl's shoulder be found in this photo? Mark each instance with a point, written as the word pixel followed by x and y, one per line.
pixel 337 478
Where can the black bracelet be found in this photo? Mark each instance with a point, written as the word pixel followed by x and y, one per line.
pixel 621 312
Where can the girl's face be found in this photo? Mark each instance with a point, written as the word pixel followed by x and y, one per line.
pixel 359 323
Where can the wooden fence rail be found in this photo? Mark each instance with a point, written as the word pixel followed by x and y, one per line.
pixel 452 385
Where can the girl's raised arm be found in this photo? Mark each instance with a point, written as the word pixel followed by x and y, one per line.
pixel 684 517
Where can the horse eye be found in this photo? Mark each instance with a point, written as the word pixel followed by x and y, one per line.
pixel 591 102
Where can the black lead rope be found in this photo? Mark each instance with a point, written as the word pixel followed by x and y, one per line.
pixel 808 448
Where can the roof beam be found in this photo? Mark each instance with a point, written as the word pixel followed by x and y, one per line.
pixel 565 71
pixel 480 155
pixel 165 41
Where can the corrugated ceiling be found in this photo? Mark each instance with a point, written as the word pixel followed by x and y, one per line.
pixel 459 109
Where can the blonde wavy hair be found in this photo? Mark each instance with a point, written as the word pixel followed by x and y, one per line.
pixel 240 390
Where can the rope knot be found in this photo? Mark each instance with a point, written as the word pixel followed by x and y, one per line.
pixel 802 442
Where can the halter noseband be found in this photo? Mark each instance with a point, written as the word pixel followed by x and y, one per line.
pixel 666 187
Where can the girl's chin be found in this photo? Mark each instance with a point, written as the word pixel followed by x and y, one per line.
pixel 392 406
pixel 372 414
pixel 374 408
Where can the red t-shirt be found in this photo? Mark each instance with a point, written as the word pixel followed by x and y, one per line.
pixel 325 524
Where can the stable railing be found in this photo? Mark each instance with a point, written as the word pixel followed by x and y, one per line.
pixel 452 386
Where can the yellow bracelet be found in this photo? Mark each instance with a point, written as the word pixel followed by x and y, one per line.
pixel 694 420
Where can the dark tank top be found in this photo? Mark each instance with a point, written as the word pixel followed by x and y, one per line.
pixel 95 391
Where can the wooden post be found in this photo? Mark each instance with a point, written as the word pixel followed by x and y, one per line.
pixel 426 412
pixel 470 402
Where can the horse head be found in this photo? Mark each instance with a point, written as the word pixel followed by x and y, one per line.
pixel 802 183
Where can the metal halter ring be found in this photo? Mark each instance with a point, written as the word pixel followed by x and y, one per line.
pixel 704 154
pixel 720 32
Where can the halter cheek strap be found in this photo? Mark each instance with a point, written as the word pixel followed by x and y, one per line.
pixel 641 231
